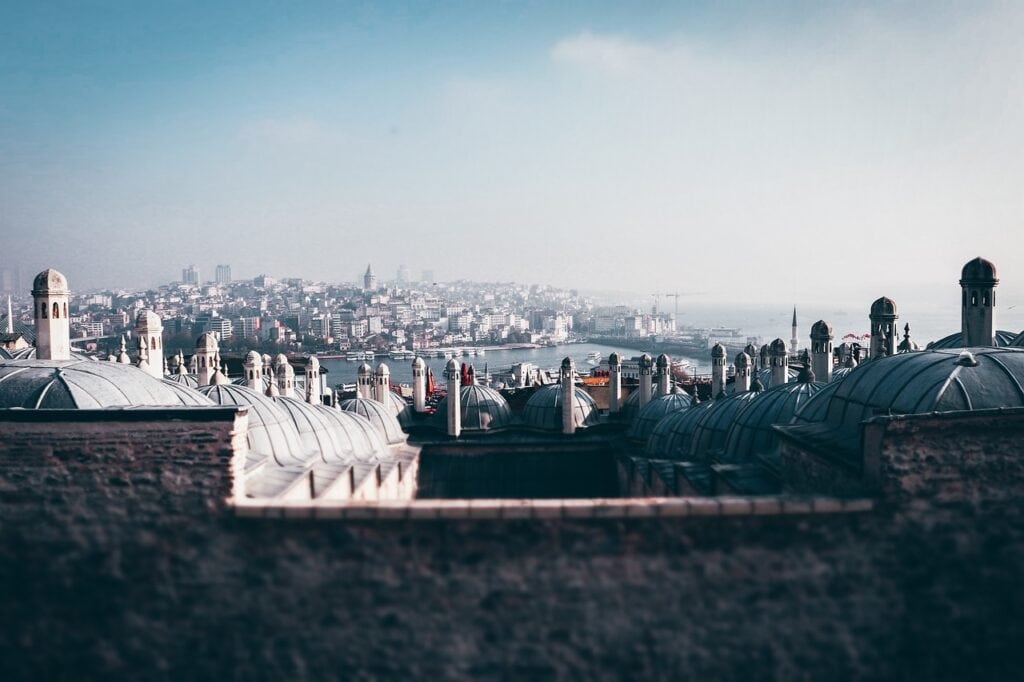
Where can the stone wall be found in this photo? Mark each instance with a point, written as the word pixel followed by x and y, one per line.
pixel 122 558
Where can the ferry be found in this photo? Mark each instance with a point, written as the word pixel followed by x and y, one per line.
pixel 594 358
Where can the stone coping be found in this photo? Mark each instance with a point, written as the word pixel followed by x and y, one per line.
pixel 142 413
pixel 520 509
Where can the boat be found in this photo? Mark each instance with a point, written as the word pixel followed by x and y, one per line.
pixel 354 355
pixel 594 358
pixel 481 351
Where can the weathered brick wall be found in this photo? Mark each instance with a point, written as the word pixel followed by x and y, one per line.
pixel 125 562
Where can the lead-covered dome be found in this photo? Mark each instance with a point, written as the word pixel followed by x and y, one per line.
pixel 883 307
pixel 80 384
pixel 482 409
pixel 381 416
pixel 751 433
pixel 915 383
pixel 956 340
pixel 147 321
pixel 188 395
pixel 656 410
pixel 671 437
pixel 711 430
pixel 544 409
pixel 271 433
pixel 49 281
pixel 978 271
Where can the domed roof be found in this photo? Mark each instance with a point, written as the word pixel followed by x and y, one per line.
pixel 271 432
pixel 147 321
pixel 359 440
pixel 978 271
pixel 711 430
pixel 632 403
pixel 316 433
pixel 956 340
pixel 383 370
pixel 29 353
pixel 751 432
pixel 840 372
pixel 544 409
pixel 821 330
pixel 614 358
pixel 401 409
pixel 718 351
pixel 381 416
pixel 671 437
pixel 743 360
pixel 187 380
pixel 207 341
pixel 253 359
pixel 364 370
pixel 656 410
pixel 779 347
pixel 313 363
pixel 663 361
pixel 80 384
pixel 188 395
pixel 883 307
pixel 49 281
pixel 418 363
pixel 765 375
pixel 482 409
pixel 815 408
pixel 915 383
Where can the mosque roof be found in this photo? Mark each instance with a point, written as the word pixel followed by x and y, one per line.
pixel 914 383
pixel 80 384
pixel 358 439
pixel 271 431
pixel 187 394
pixel 188 380
pixel 653 412
pixel 381 416
pixel 29 353
pixel 751 432
pixel 544 408
pixel 50 280
pixel 671 437
pixel 815 408
pixel 400 408
pixel 632 404
pixel 1003 338
pixel 712 429
pixel 482 409
pixel 765 375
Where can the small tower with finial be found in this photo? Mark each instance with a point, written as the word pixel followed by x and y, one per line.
pixel 906 345
pixel 364 381
pixel 205 355
pixel 717 371
pixel 142 360
pixel 614 383
pixel 453 379
pixel 567 380
pixel 883 318
pixel 382 383
pixel 419 385
pixel 253 370
pixel 978 283
pixel 285 374
pixel 122 352
pixel 779 363
pixel 821 350
pixel 149 329
pixel 664 369
pixel 741 383
pixel 646 366
pixel 50 297
pixel 314 393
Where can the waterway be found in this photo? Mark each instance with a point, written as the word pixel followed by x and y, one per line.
pixel 545 357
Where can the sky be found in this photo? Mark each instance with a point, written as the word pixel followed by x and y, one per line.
pixel 738 152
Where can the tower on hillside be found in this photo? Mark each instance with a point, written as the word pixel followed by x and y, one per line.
pixel 369 279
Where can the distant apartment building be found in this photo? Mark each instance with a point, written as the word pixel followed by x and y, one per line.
pixel 190 275
pixel 223 274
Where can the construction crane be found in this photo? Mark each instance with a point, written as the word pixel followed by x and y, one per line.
pixel 657 299
pixel 675 295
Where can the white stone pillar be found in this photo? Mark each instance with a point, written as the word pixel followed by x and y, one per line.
pixel 453 377
pixel 614 383
pixel 419 385
pixel 717 371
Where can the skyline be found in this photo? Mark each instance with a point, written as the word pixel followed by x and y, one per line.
pixel 787 153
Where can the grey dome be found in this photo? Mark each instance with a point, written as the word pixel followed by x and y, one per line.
pixel 316 433
pixel 80 384
pixel 381 416
pixel 671 437
pixel 956 340
pixel 188 380
pixel 359 440
pixel 632 404
pixel 711 430
pixel 751 433
pixel 840 372
pixel 544 409
pixel 915 383
pixel 883 307
pixel 401 409
pixel 482 409
pixel 29 353
pixel 765 375
pixel 821 330
pixel 188 395
pixel 656 410
pixel 815 408
pixel 50 281
pixel 271 431
pixel 979 271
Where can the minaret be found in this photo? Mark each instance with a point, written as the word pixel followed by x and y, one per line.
pixel 149 329
pixel 10 317
pixel 883 318
pixel 717 371
pixel 364 381
pixel 614 383
pixel 369 279
pixel 566 377
pixel 664 365
pixel 821 350
pixel 50 295
pixel 252 368
pixel 382 384
pixel 419 384
pixel 743 368
pixel 285 376
pixel 780 363
pixel 645 380
pixel 978 283
pixel 794 340
pixel 453 377
pixel 205 356
pixel 314 396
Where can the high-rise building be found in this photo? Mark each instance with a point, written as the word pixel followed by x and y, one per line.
pixel 403 276
pixel 190 275
pixel 223 275
pixel 427 277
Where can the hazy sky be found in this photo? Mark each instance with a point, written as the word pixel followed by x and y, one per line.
pixel 797 152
